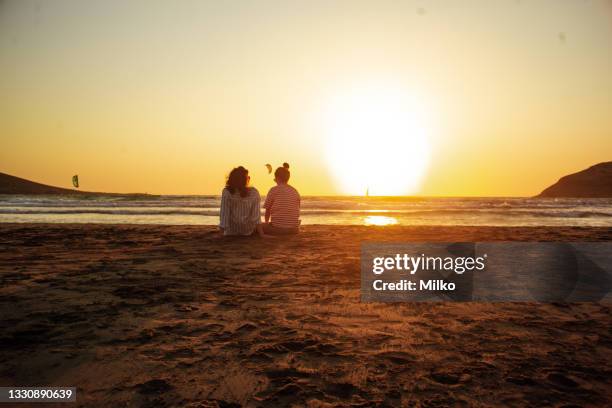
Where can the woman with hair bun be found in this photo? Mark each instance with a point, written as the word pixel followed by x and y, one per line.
pixel 282 205
pixel 240 205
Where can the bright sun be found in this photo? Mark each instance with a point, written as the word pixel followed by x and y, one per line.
pixel 376 141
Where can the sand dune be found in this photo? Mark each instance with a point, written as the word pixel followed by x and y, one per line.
pixel 176 316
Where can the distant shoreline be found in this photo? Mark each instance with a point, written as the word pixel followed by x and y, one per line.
pixel 593 182
pixel 335 196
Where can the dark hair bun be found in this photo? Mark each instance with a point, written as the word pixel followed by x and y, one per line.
pixel 286 165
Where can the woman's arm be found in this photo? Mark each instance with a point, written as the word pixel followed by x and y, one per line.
pixel 268 204
pixel 256 215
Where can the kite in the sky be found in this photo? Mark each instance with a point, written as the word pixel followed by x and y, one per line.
pixel 269 167
pixel 75 180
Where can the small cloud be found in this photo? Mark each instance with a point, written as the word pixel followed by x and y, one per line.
pixel 562 37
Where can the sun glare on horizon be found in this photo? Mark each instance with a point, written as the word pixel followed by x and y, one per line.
pixel 376 141
pixel 379 220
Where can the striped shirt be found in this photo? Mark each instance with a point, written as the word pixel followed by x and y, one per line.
pixel 240 215
pixel 283 202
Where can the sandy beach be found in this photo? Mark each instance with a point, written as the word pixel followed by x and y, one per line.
pixel 177 316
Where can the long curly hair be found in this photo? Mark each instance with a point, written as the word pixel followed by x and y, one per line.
pixel 238 180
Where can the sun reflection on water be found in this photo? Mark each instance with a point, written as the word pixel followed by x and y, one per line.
pixel 379 220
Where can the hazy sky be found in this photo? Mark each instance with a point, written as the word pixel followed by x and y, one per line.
pixel 167 96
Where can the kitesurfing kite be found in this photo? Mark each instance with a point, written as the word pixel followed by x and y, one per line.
pixel 269 167
pixel 75 180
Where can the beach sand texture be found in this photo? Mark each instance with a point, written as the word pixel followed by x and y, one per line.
pixel 176 316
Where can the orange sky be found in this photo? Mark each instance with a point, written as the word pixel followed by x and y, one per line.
pixel 166 97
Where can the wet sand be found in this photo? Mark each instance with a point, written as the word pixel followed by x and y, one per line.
pixel 177 316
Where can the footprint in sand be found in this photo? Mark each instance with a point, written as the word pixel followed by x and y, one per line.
pixel 155 386
pixel 341 390
pixel 396 357
pixel 450 378
pixel 180 353
pixel 562 381
pixel 246 328
pixel 297 345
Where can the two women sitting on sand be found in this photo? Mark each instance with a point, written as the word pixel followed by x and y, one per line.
pixel 240 206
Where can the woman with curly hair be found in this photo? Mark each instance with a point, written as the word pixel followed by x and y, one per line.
pixel 240 205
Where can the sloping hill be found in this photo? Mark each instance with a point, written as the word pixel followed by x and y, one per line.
pixel 594 182
pixel 16 185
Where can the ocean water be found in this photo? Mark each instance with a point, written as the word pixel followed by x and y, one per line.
pixel 204 210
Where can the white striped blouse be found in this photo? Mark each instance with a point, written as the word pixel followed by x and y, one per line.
pixel 240 215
